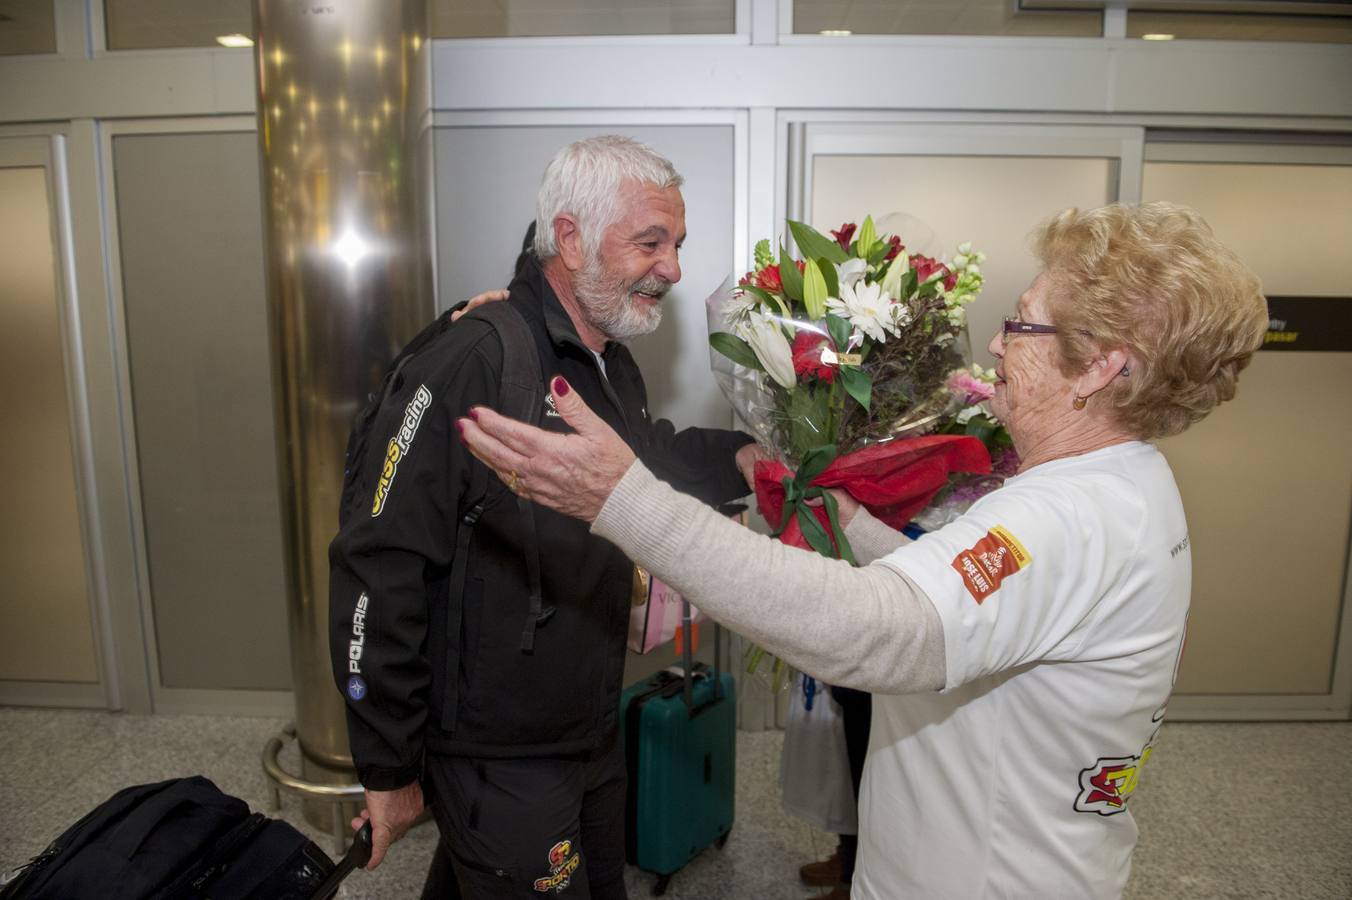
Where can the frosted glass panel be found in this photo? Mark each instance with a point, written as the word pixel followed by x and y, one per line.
pixel 27 26
pixel 47 633
pixel 1241 27
pixel 524 18
pixel 1267 479
pixel 145 24
pixel 174 23
pixel 941 17
pixel 936 202
pixel 190 230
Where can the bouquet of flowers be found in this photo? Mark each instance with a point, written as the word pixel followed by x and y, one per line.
pixel 845 362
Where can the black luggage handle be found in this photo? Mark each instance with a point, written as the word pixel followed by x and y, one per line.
pixel 688 663
pixel 356 857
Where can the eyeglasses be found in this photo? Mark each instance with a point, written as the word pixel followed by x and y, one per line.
pixel 1017 327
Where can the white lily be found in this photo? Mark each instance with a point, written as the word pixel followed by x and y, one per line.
pixel 850 271
pixel 770 346
pixel 868 308
pixel 898 268
pixel 739 307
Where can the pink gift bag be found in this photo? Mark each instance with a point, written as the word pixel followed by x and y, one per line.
pixel 656 616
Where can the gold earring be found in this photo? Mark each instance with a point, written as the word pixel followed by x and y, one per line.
pixel 1079 402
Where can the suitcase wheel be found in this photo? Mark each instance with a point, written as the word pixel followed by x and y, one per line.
pixel 660 887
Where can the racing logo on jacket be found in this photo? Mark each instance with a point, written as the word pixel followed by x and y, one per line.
pixel 563 862
pixel 991 560
pixel 399 444
pixel 1106 786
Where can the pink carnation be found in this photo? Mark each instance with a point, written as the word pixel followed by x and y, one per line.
pixel 972 387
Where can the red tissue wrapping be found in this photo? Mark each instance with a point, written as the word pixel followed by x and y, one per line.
pixel 894 481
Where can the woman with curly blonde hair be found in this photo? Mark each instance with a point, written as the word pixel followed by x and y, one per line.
pixel 1021 658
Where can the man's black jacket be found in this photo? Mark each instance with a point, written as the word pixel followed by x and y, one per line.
pixel 389 581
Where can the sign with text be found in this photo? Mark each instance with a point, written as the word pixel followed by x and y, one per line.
pixel 1320 324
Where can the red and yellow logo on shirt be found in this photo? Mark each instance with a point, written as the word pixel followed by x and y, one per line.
pixel 991 560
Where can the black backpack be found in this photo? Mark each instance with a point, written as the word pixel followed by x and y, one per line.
pixel 520 396
pixel 182 839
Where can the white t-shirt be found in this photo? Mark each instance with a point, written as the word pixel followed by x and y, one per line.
pixel 1064 601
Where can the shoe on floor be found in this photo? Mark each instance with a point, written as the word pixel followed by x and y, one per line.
pixel 822 874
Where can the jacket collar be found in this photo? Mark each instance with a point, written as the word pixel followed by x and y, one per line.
pixel 557 323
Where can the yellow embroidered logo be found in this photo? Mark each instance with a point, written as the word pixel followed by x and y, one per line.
pixel 992 559
pixel 398 446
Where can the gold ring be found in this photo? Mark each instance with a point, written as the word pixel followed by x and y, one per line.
pixel 511 481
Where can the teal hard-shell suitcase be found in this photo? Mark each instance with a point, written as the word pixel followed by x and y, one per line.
pixel 681 755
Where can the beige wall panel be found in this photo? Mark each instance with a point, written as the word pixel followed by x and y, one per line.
pixel 190 230
pixel 1267 480
pixel 1267 488
pixel 936 202
pixel 47 633
pixel 1292 224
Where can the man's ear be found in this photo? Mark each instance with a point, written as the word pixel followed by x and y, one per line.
pixel 568 238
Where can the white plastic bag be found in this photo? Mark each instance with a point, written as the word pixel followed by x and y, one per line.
pixel 814 770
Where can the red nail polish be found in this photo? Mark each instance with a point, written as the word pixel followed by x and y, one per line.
pixel 460 426
pixel 560 386
pixel 474 413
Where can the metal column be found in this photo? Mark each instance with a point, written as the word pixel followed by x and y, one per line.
pixel 344 126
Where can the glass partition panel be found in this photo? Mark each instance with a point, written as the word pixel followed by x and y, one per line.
pixel 936 202
pixel 527 18
pixel 27 26
pixel 1266 479
pixel 836 17
pixel 48 632
pixel 1239 27
pixel 190 230
pixel 153 24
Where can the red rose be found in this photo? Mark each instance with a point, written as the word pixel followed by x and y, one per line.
pixel 807 356
pixel 925 267
pixel 844 235
pixel 894 243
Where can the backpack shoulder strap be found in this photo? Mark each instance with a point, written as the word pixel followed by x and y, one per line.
pixel 521 396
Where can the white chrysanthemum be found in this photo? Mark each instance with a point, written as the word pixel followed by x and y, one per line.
pixel 770 346
pixel 868 308
pixel 739 307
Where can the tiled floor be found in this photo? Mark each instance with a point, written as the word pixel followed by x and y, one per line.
pixel 1225 811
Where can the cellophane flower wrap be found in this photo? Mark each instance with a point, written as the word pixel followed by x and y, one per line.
pixel 845 362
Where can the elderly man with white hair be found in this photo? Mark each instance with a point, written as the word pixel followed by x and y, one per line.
pixel 518 746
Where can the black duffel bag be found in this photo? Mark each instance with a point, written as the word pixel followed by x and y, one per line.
pixel 181 839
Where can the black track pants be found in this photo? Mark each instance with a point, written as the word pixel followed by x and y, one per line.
pixel 532 828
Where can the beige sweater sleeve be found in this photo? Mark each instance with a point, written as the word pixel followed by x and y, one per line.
pixel 870 539
pixel 869 628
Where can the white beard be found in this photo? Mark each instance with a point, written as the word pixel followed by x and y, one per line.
pixel 605 301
